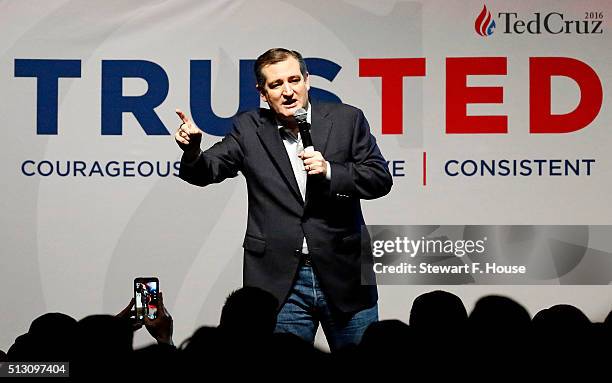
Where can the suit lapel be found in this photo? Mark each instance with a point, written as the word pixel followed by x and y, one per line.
pixel 271 139
pixel 321 126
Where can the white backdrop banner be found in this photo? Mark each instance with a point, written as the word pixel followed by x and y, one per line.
pixel 493 113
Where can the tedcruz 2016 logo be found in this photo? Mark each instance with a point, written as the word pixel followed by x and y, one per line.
pixel 484 24
pixel 553 23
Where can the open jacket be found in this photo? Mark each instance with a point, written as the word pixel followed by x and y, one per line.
pixel 278 218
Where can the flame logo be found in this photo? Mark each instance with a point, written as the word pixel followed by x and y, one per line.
pixel 484 24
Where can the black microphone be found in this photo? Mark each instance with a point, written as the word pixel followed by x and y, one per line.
pixel 304 128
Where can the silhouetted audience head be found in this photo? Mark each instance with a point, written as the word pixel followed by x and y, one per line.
pixel 211 349
pixel 565 334
pixel 385 344
pixel 102 338
pixel 500 335
pixel 438 310
pixel 50 338
pixel 499 313
pixel 386 336
pixel 438 320
pixel 159 360
pixel 205 342
pixel 561 318
pixel 608 320
pixel 52 322
pixel 290 347
pixel 249 311
pixel 3 356
pixel 107 332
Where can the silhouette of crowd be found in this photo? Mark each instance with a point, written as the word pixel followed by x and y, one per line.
pixel 497 340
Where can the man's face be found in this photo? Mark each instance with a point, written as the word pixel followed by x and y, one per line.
pixel 285 89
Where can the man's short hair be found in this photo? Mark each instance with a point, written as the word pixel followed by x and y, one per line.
pixel 273 56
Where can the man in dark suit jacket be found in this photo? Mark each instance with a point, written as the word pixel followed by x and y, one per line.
pixel 304 241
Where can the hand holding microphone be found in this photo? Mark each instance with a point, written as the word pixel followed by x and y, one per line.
pixel 314 163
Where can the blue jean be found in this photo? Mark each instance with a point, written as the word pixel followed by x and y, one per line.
pixel 307 306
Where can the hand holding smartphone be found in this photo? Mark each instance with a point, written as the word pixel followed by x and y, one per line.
pixel 146 292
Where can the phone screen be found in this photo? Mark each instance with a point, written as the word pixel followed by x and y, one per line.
pixel 145 293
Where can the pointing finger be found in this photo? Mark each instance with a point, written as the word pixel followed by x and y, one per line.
pixel 182 116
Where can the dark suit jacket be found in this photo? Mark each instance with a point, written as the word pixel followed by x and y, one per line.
pixel 278 217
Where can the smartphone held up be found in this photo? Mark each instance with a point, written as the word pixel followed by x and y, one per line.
pixel 146 292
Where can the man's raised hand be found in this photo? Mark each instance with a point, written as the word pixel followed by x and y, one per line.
pixel 188 136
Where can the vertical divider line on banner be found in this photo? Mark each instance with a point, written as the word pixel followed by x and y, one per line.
pixel 424 168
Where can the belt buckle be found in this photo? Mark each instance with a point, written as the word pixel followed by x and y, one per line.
pixel 306 260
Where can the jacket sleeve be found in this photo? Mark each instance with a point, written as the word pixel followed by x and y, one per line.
pixel 366 175
pixel 222 160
